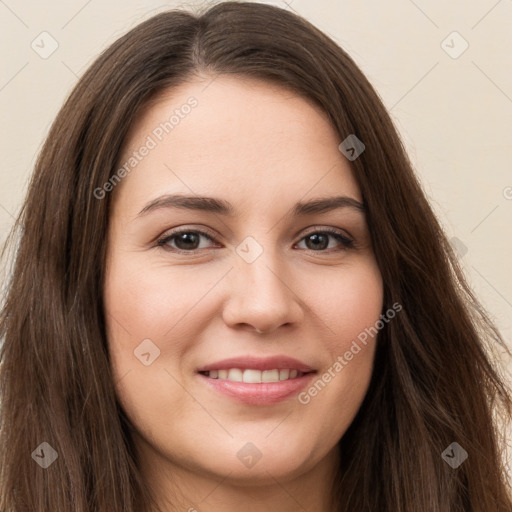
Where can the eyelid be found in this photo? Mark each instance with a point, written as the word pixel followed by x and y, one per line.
pixel 346 239
pixel 164 238
pixel 327 229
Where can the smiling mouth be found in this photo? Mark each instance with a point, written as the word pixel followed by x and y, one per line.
pixel 253 376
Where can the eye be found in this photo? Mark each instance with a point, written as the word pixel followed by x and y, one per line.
pixel 185 240
pixel 318 241
pixel 189 240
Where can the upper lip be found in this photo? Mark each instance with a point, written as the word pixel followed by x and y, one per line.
pixel 258 363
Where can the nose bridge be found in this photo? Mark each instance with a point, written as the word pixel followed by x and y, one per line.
pixel 259 291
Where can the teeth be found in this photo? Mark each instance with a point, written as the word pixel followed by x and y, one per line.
pixel 235 375
pixel 254 376
pixel 270 376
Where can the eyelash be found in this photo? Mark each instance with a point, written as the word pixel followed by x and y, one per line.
pixel 344 240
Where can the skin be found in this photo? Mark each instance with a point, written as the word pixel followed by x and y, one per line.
pixel 263 149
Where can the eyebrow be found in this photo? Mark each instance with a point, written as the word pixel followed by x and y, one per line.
pixel 222 207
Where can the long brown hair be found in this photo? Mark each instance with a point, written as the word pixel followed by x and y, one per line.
pixel 434 380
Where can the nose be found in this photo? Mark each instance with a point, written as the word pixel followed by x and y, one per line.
pixel 261 295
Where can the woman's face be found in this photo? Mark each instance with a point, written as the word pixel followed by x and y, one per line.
pixel 264 281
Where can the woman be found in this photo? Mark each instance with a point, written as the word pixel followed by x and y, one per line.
pixel 230 291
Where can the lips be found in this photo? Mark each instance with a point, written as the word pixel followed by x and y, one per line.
pixel 258 363
pixel 280 378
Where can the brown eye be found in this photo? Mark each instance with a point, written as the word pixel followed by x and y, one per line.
pixel 318 241
pixel 189 241
pixel 184 241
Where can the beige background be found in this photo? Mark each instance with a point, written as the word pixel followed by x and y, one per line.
pixel 454 114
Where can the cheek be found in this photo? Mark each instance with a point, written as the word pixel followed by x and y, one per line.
pixel 348 302
pixel 151 301
pixel 350 306
pixel 153 311
pixel 143 310
pixel 139 293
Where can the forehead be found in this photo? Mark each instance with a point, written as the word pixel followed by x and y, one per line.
pixel 238 138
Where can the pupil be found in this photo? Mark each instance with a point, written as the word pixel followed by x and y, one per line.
pixel 189 239
pixel 315 238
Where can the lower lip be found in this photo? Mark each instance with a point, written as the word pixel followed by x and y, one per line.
pixel 265 393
